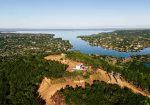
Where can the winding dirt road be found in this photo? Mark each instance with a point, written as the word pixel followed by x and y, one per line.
pixel 48 87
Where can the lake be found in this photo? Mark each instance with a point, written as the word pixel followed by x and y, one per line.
pixel 147 64
pixel 83 46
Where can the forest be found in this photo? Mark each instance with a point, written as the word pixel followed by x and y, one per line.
pixel 20 77
pixel 134 72
pixel 22 68
pixel 101 93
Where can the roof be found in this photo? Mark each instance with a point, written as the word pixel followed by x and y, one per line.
pixel 79 64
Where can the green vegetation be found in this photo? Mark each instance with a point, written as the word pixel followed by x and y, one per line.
pixel 134 72
pixel 77 56
pixel 101 93
pixel 22 69
pixel 22 66
pixel 121 40
pixel 141 58
pixel 25 44
pixel 20 77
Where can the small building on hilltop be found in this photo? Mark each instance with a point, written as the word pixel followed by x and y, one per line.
pixel 80 67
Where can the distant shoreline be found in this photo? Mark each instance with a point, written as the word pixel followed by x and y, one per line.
pixel 16 30
pixel 65 29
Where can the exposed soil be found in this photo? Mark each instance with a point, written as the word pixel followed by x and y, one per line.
pixel 72 64
pixel 48 87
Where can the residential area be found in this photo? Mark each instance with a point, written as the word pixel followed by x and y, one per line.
pixel 123 41
pixel 23 44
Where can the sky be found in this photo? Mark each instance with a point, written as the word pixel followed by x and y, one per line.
pixel 74 14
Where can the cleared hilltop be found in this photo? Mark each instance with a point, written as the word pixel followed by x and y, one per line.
pixel 48 87
pixel 38 69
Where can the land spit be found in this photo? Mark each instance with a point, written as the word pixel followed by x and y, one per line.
pixel 49 87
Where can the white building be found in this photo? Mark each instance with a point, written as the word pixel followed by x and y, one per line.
pixel 81 67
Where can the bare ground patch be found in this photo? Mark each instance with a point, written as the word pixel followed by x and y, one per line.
pixel 49 87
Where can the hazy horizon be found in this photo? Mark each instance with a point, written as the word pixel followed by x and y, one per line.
pixel 74 14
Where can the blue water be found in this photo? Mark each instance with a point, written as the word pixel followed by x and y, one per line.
pixel 147 64
pixel 83 46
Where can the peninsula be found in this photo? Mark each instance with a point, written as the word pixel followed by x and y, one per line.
pixel 120 40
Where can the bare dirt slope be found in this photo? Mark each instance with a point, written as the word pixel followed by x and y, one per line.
pixel 72 64
pixel 48 87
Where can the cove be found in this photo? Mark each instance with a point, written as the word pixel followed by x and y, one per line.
pixel 83 46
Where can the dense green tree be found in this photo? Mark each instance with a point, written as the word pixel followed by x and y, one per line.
pixel 101 93
pixel 20 78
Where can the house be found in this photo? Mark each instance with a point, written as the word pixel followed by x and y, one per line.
pixel 81 67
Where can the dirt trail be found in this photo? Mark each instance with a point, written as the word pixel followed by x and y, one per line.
pixel 72 64
pixel 48 87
